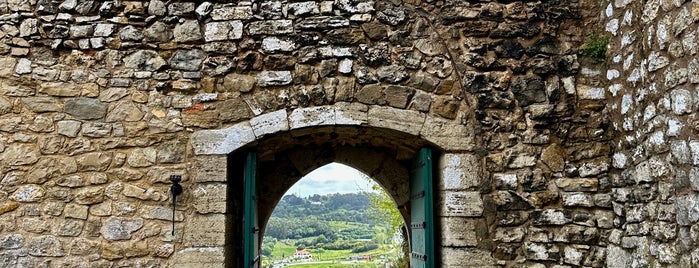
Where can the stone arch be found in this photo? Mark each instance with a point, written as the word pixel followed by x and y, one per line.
pixel 442 133
pixel 378 141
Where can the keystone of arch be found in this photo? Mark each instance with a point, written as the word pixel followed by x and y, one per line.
pixel 446 134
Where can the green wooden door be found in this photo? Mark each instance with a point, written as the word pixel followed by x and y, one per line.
pixel 251 230
pixel 421 211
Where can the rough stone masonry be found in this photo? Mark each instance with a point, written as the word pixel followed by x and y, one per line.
pixel 547 158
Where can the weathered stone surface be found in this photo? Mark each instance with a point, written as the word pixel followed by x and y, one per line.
pixel 459 232
pixel 222 141
pixel 529 90
pixel 93 161
pixel 46 246
pixel 187 60
pixel 28 193
pixel 19 154
pixel 193 256
pixel 160 213
pixel 12 241
pixel 322 22
pixel 459 172
pixel 270 123
pixel 142 157
pixel 314 116
pixel 406 121
pixel 141 193
pixel 554 157
pixel 75 211
pixel 82 246
pixel 120 228
pixel 85 108
pixel 465 257
pixel 158 32
pixel 144 60
pixel 551 217
pixel 205 230
pixel 188 31
pixel 274 78
pixel 210 198
pixel 227 30
pixel 90 195
pixel 270 27
pixel 460 204
pixel 239 82
pixel 8 207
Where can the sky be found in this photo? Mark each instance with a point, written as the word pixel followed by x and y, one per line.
pixel 329 179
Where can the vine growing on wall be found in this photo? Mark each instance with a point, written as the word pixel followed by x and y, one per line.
pixel 596 47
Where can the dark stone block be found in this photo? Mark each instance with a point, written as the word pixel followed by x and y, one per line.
pixel 528 90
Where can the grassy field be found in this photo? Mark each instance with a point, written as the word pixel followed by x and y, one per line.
pixel 336 265
pixel 284 249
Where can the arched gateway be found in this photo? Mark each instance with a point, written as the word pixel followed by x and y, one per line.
pixel 393 146
pixel 543 157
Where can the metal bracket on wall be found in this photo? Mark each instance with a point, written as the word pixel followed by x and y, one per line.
pixel 175 190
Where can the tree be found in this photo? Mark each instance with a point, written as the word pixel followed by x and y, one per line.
pixel 383 209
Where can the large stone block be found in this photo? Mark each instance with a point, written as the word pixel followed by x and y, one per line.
pixel 466 257
pixel 351 113
pixel 312 116
pixel 459 171
pixel 401 120
pixel 270 123
pixel 687 208
pixel 460 204
pixel 209 198
pixel 222 141
pixel 448 134
pixel 459 232
pixel 213 257
pixel 210 168
pixel 205 230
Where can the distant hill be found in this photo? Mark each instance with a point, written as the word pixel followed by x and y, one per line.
pixel 296 217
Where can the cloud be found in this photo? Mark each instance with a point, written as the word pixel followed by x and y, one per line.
pixel 330 179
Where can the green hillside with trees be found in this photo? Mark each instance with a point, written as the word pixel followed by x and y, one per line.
pixel 339 230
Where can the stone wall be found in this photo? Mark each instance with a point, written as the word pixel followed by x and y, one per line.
pixel 103 100
pixel 651 83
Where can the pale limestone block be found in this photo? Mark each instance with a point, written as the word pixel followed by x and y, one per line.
pixel 458 232
pixel 459 171
pixel 590 93
pixel 460 204
pixel 312 116
pixel 351 114
pixel 205 230
pixel 401 120
pixel 448 134
pixel 209 198
pixel 270 123
pixel 211 257
pixel 466 257
pixel 222 141
pixel 210 168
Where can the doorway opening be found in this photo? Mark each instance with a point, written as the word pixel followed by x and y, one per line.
pixel 335 216
pixel 260 184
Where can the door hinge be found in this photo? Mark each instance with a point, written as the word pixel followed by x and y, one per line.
pixel 419 195
pixel 418 225
pixel 419 256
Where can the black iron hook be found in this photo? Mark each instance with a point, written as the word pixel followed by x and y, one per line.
pixel 175 190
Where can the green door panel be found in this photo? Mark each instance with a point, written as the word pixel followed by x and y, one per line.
pixel 251 230
pixel 421 211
